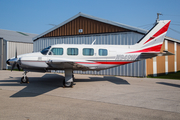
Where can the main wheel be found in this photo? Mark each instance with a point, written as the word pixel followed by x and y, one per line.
pixel 24 80
pixel 67 84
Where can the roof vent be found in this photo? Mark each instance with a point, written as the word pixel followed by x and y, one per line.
pixel 22 33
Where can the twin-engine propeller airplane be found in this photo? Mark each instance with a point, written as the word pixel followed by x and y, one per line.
pixel 69 57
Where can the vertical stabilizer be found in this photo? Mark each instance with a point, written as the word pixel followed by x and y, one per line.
pixel 153 40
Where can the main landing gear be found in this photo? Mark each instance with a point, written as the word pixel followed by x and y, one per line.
pixel 69 78
pixel 24 79
pixel 67 82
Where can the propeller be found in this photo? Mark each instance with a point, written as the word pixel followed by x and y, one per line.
pixel 15 64
pixel 14 61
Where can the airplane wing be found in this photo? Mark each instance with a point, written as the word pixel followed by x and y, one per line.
pixel 70 64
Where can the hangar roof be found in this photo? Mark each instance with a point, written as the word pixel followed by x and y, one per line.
pixel 172 39
pixel 15 36
pixel 93 18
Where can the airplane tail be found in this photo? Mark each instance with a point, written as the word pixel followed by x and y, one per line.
pixel 153 40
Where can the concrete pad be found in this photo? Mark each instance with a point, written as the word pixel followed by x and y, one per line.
pixel 103 96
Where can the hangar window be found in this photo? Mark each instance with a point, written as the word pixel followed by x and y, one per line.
pixel 56 51
pixel 103 52
pixel 72 51
pixel 88 51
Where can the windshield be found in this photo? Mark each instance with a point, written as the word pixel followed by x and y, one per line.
pixel 45 50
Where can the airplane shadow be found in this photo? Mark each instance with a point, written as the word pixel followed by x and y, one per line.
pixel 112 79
pixel 169 84
pixel 49 82
pixel 37 85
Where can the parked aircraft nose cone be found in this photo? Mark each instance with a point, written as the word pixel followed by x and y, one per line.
pixel 7 62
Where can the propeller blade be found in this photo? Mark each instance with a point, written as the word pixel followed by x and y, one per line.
pixel 15 61
pixel 13 66
pixel 18 67
pixel 7 62
pixel 16 53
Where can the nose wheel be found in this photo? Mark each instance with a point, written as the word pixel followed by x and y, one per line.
pixel 24 79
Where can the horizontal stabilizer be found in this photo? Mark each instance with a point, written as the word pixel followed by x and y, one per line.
pixel 165 53
pixel 151 55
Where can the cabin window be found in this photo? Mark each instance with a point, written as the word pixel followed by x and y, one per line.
pixel 56 51
pixel 103 52
pixel 72 51
pixel 88 51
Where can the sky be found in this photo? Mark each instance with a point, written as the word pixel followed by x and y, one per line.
pixel 35 16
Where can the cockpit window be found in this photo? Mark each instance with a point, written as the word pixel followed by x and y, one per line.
pixel 45 50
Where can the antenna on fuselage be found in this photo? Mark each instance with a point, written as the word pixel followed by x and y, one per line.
pixel 93 42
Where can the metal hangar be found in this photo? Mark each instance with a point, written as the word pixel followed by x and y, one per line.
pixel 9 41
pixel 84 29
pixel 165 64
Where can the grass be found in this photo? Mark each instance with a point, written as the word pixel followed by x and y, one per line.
pixel 168 76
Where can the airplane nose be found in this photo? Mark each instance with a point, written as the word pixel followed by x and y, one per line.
pixel 7 62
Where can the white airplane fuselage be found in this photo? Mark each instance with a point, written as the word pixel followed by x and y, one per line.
pixel 116 55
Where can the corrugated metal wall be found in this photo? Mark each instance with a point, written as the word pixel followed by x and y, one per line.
pixel 22 48
pixel 4 54
pixel 1 53
pixel 121 38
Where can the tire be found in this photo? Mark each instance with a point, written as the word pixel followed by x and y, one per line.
pixel 67 84
pixel 24 80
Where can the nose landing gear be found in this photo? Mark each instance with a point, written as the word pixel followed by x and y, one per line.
pixel 24 79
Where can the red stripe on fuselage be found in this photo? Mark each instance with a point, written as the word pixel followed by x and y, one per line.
pixel 156 48
pixel 87 62
pixel 107 62
pixel 115 62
